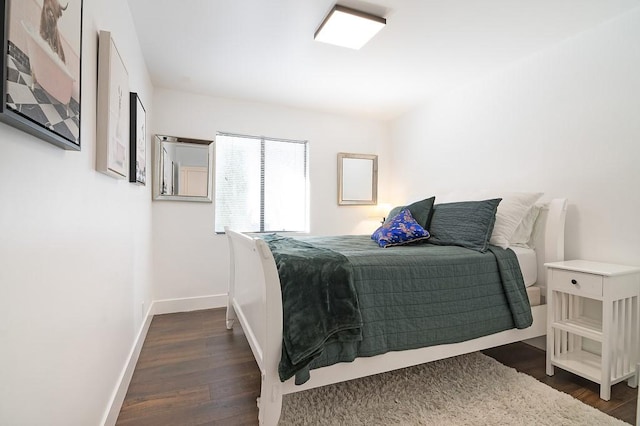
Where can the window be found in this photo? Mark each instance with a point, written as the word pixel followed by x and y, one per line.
pixel 262 184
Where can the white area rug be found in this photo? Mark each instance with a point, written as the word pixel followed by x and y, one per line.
pixel 471 389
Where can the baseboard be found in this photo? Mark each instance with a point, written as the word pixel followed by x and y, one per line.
pixel 111 416
pixel 187 304
pixel 158 307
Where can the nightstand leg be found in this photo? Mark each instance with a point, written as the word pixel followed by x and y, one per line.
pixel 550 370
pixel 638 403
pixel 605 367
pixel 605 392
pixel 550 319
pixel 550 350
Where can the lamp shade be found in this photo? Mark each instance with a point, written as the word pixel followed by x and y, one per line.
pixel 348 27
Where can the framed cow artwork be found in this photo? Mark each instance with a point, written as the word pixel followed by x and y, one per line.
pixel 41 68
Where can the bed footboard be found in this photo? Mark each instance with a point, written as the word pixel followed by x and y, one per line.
pixel 255 300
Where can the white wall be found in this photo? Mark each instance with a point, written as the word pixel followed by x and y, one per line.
pixel 75 257
pixel 190 259
pixel 565 121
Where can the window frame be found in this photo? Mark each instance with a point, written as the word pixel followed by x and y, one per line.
pixel 263 140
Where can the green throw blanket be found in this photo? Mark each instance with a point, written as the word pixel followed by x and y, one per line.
pixel 319 302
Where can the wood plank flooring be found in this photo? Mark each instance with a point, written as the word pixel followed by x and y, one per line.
pixel 193 371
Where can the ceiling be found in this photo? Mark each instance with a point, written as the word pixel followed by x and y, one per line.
pixel 264 51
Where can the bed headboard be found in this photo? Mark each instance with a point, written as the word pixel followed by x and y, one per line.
pixel 548 236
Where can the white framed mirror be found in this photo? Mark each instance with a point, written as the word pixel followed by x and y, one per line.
pixel 183 169
pixel 357 179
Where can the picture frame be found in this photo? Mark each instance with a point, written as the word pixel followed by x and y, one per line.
pixel 137 141
pixel 112 139
pixel 41 65
pixel 357 179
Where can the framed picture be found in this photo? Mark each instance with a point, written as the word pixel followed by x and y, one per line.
pixel 137 141
pixel 357 179
pixel 41 66
pixel 112 150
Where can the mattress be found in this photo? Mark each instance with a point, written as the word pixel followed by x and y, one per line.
pixel 528 264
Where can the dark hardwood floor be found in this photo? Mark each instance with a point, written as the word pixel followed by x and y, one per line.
pixel 193 371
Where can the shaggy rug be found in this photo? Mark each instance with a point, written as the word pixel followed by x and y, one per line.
pixel 471 389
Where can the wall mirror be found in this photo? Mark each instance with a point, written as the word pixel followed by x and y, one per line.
pixel 183 169
pixel 357 179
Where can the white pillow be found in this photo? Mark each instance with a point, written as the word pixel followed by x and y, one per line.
pixel 522 236
pixel 511 211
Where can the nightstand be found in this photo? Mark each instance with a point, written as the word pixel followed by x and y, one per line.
pixel 593 321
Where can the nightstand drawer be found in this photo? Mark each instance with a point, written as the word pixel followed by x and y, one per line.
pixel 588 284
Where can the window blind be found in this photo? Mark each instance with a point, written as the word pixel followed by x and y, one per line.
pixel 261 184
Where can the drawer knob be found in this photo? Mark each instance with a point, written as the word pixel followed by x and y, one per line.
pixel 574 282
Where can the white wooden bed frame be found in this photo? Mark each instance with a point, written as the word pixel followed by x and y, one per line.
pixel 255 301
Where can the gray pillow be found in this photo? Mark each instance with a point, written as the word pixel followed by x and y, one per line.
pixel 420 210
pixel 468 224
pixel 392 213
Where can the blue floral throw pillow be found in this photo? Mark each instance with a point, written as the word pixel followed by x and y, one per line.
pixel 401 229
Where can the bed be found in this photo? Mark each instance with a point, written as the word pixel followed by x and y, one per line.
pixel 255 301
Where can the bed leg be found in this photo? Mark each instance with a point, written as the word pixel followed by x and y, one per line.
pixel 231 315
pixel 269 402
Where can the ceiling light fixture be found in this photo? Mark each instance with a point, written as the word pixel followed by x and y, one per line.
pixel 348 27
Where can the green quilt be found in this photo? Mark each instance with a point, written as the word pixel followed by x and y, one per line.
pixel 423 295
